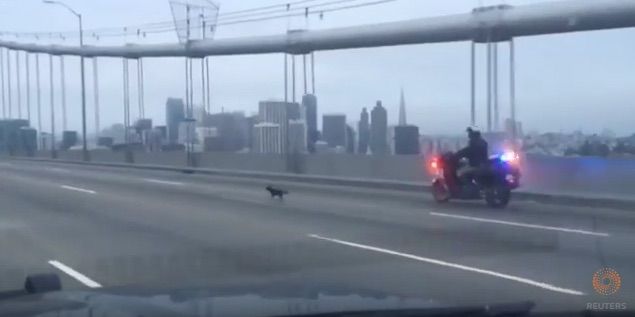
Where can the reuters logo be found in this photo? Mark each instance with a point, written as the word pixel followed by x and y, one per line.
pixel 606 281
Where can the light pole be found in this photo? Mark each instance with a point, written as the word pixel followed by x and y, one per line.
pixel 83 77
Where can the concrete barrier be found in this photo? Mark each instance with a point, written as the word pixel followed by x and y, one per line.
pixel 244 162
pixel 106 156
pixel 162 158
pixel 43 154
pixel 70 155
pixel 403 168
pixel 596 176
pixel 577 176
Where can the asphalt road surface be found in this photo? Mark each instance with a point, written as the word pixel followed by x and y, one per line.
pixel 108 227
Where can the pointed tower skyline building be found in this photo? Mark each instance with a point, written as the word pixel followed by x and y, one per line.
pixel 402 110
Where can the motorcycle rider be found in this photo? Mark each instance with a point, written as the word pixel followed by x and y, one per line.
pixel 476 152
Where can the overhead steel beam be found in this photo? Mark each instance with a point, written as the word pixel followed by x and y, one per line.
pixel 498 23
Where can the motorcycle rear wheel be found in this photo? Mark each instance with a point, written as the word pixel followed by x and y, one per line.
pixel 440 192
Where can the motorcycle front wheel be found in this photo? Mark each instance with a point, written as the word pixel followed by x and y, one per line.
pixel 498 197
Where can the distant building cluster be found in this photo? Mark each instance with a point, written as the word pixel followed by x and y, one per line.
pixel 285 127
pixel 579 144
pixel 17 138
pixel 277 128
pixel 281 127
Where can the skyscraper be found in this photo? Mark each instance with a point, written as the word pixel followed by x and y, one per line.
pixel 379 130
pixel 187 133
pixel 402 109
pixel 334 129
pixel 69 139
pixel 143 124
pixel 363 129
pixel 519 129
pixel 407 140
pixel 293 111
pixel 350 140
pixel 309 103
pixel 117 132
pixel 267 138
pixel 391 139
pixel 509 128
pixel 10 136
pixel 154 139
pixel 297 136
pixel 280 113
pixel 174 114
pixel 251 122
pixel 28 140
pixel 208 139
pixel 231 130
pixel 321 147
pixel 199 115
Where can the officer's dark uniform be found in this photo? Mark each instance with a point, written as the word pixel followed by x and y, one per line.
pixel 475 152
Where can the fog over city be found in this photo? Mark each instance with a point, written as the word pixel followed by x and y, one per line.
pixel 564 82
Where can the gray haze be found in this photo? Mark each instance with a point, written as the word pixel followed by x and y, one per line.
pixel 565 82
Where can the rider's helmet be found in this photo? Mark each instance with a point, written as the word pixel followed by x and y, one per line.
pixel 473 132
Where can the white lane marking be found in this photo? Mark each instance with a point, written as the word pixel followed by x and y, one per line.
pixel 520 224
pixel 74 274
pixel 158 181
pixel 60 170
pixel 453 265
pixel 77 189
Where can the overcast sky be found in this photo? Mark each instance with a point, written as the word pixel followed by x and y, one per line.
pixel 564 82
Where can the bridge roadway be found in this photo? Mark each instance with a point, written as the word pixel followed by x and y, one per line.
pixel 110 227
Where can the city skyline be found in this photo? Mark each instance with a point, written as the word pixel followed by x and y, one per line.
pixel 283 127
pixel 235 132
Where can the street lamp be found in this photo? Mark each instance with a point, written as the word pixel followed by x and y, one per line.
pixel 81 44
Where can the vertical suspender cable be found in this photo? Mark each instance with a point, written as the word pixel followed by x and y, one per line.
pixel 126 102
pixel 191 112
pixel 495 86
pixel 139 89
pixel 208 88
pixel 38 98
pixel 63 84
pixel 10 101
pixel 286 78
pixel 489 87
pixel 203 96
pixel 313 72
pixel 53 153
pixel 28 87
pixel 143 90
pixel 473 85
pixel 96 95
pixel 17 84
pixel 4 101
pixel 512 87
pixel 304 72
pixel 293 78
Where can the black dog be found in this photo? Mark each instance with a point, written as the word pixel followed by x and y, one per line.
pixel 276 192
